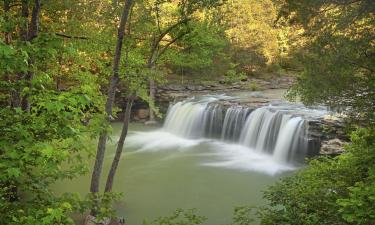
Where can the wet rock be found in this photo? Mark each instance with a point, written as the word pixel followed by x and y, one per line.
pixel 151 123
pixel 92 220
pixel 332 147
pixel 141 114
pixel 173 87
pixel 118 221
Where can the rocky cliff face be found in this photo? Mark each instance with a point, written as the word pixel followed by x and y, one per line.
pixel 329 134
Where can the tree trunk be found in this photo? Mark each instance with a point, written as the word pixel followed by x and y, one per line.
pixel 120 145
pixel 7 41
pixel 34 24
pixel 152 98
pixel 125 126
pixel 95 178
pixel 30 34
pixel 25 20
pixel 16 98
pixel 7 34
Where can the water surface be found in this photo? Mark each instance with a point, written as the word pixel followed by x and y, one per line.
pixel 160 172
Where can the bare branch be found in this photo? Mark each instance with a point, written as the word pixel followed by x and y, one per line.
pixel 70 36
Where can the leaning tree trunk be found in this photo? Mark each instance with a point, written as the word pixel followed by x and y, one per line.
pixel 125 125
pixel 95 178
pixel 120 145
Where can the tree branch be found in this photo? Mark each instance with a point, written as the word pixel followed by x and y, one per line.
pixel 169 29
pixel 165 48
pixel 157 41
pixel 70 36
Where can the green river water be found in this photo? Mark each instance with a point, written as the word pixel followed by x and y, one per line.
pixel 174 174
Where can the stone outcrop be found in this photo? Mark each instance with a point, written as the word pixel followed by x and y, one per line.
pixel 328 133
pixel 141 114
pixel 332 147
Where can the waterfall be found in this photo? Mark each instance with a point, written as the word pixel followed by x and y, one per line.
pixel 277 131
pixel 212 121
pixel 195 118
pixel 291 140
pixel 234 120
pixel 184 119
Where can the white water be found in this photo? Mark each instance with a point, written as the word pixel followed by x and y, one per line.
pixel 234 120
pixel 290 140
pixel 184 119
pixel 268 139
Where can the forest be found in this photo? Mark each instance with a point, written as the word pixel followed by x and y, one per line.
pixel 187 112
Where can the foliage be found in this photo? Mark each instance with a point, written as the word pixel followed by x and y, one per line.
pixel 47 141
pixel 253 86
pixel 254 40
pixel 232 76
pixel 179 217
pixel 337 56
pixel 330 190
pixel 197 50
pixel 243 215
pixel 62 72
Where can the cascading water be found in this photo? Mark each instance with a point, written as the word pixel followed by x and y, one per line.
pixel 291 143
pixel 212 121
pixel 276 131
pixel 194 118
pixel 234 120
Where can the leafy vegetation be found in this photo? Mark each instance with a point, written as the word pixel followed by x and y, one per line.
pixel 336 55
pixel 330 190
pixel 61 63
pixel 335 59
pixel 44 126
pixel 179 217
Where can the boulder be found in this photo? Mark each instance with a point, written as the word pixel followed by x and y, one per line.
pixel 92 220
pixel 142 114
pixel 332 147
pixel 151 123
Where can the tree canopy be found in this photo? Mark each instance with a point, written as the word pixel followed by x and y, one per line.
pixel 337 55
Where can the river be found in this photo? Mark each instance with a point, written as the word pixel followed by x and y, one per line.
pixel 192 163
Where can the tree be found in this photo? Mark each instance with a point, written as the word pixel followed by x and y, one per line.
pixel 197 52
pixel 94 188
pixel 254 39
pixel 337 56
pixel 337 70
pixel 43 127
pixel 166 23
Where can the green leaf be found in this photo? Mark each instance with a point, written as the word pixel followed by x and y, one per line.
pixel 14 172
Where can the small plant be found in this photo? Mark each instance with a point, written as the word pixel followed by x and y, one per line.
pixel 180 217
pixel 253 86
pixel 232 76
